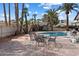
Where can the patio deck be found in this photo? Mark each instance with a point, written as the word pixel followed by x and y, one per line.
pixel 22 46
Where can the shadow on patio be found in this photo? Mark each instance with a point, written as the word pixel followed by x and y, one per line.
pixel 16 48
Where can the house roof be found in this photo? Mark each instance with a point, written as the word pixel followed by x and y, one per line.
pixel 77 16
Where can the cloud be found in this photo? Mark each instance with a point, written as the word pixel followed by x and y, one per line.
pixel 45 5
pixel 2 15
pixel 48 5
pixel 61 18
pixel 36 12
pixel 59 11
pixel 20 11
pixel 43 14
pixel 56 3
pixel 27 5
pixel 29 12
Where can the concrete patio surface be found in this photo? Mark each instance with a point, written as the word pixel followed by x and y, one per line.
pixel 23 46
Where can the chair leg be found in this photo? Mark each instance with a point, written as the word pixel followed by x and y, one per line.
pixel 55 43
pixel 46 44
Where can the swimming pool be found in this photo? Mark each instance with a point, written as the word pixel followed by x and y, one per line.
pixel 54 33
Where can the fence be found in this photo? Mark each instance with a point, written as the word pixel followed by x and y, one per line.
pixel 7 30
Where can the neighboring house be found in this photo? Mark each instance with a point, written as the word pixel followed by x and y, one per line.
pixel 44 25
pixel 76 20
pixel 62 23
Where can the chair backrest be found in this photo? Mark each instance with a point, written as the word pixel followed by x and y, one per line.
pixel 39 38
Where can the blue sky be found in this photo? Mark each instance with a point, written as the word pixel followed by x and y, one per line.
pixel 38 8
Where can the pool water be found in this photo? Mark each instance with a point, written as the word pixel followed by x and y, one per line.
pixel 54 33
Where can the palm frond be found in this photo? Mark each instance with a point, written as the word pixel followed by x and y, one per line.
pixel 68 6
pixel 76 10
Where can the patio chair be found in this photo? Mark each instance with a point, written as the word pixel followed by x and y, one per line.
pixel 76 39
pixel 52 40
pixel 71 36
pixel 40 39
pixel 45 39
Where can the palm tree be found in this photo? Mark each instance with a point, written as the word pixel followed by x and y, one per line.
pixel 25 12
pixel 34 15
pixel 52 17
pixel 45 18
pixel 9 15
pixel 31 21
pixel 17 16
pixel 22 17
pixel 5 16
pixel 68 7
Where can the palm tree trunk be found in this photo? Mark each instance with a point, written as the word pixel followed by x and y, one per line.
pixel 9 15
pixel 26 23
pixel 51 24
pixel 67 22
pixel 5 16
pixel 35 19
pixel 52 27
pixel 22 17
pixel 17 16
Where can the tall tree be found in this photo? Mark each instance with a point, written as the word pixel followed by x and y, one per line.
pixel 17 16
pixel 25 12
pixel 45 18
pixel 34 16
pixel 22 17
pixel 52 17
pixel 9 15
pixel 68 7
pixel 5 16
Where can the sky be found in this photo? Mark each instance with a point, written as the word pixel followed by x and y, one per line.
pixel 36 8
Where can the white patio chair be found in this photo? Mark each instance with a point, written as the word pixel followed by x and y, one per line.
pixel 71 36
